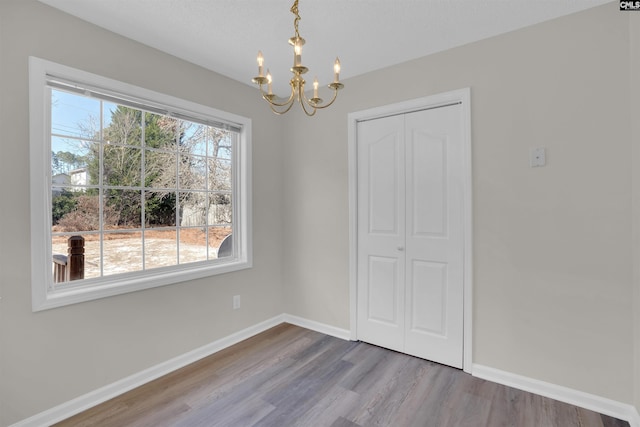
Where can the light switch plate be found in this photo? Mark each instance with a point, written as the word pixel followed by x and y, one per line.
pixel 538 157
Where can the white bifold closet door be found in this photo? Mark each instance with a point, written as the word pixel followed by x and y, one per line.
pixel 410 233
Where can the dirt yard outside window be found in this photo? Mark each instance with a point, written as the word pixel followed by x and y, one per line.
pixel 123 251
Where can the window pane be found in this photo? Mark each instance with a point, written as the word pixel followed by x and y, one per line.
pixel 193 173
pixel 220 209
pixel 160 169
pixel 91 255
pixel 122 252
pixel 220 240
pixel 160 131
pixel 108 111
pixel 63 202
pixel 219 175
pixel 74 210
pixel 124 126
pixel 193 245
pixel 60 250
pixel 160 248
pixel 220 143
pixel 193 208
pixel 194 138
pixel 74 115
pixel 160 209
pixel 68 154
pixel 122 209
pixel 122 166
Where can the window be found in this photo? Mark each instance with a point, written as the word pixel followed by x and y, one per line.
pixel 130 189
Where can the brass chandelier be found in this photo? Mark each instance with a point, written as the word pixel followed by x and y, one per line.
pixel 310 106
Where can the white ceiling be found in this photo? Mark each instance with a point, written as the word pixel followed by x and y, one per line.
pixel 225 35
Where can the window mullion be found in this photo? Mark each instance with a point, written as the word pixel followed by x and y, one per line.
pixel 101 189
pixel 177 177
pixel 206 186
pixel 143 128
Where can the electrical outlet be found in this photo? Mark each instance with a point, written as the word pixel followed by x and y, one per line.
pixel 236 302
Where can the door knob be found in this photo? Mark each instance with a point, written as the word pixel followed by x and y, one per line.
pixel 401 248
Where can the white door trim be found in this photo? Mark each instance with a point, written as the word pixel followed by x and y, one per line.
pixel 462 96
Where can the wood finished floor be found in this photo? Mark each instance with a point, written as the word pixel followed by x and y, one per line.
pixel 290 376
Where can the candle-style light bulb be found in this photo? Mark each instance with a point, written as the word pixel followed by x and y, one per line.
pixel 260 62
pixel 269 82
pixel 336 71
pixel 297 50
pixel 315 87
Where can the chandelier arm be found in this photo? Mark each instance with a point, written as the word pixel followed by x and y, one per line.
pixel 335 95
pixel 302 99
pixel 277 104
pixel 304 103
pixel 273 108
pixel 307 101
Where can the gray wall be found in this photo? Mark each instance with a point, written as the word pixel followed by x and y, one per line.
pixel 50 357
pixel 552 246
pixel 554 280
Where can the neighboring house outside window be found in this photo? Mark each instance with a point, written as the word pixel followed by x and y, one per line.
pixel 152 184
pixel 79 177
pixel 58 181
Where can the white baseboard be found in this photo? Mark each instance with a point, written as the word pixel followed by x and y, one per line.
pixel 58 413
pixel 592 402
pixel 93 398
pixel 344 334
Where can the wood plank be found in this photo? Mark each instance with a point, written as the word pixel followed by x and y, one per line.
pixel 290 376
pixel 504 406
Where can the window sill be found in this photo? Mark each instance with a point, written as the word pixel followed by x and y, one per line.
pixel 113 286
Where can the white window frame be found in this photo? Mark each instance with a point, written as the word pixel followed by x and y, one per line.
pixel 44 295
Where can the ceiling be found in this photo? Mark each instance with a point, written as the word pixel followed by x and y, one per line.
pixel 225 35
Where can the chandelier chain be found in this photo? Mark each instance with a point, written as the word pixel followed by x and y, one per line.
pixel 294 10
